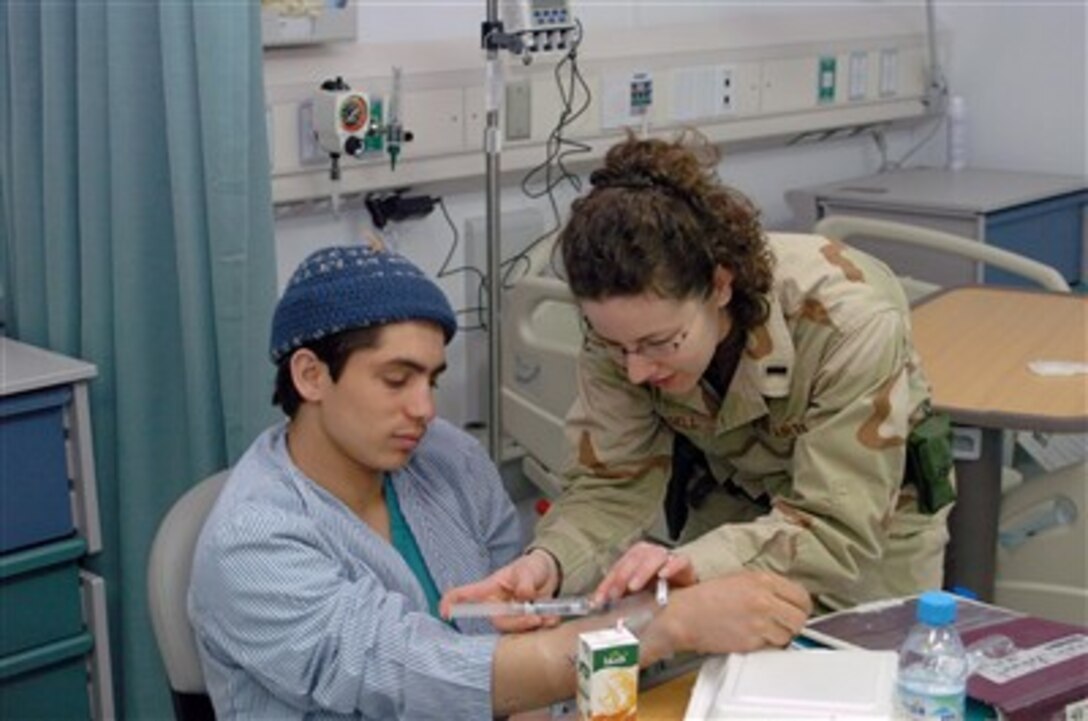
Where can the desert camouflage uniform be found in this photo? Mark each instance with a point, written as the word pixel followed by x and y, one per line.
pixel 807 449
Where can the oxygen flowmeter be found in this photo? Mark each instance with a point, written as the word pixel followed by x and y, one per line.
pixel 350 122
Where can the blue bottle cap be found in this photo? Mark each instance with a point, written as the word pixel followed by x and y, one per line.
pixel 936 608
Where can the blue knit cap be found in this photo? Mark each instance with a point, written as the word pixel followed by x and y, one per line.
pixel 348 287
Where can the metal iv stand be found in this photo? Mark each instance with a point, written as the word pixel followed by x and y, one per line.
pixel 937 88
pixel 494 40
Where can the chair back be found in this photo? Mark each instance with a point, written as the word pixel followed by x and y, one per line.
pixel 168 570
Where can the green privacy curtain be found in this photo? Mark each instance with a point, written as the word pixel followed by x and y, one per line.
pixel 136 221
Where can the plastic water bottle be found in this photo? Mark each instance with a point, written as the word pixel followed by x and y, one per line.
pixel 933 665
pixel 957 133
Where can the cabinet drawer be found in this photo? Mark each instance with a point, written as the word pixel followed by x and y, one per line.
pixel 40 595
pixel 1050 231
pixel 34 499
pixel 47 682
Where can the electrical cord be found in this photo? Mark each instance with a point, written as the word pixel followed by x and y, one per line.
pixel 558 148
pixel 882 145
pixel 444 271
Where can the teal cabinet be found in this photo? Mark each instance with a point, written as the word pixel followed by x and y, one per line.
pixel 54 646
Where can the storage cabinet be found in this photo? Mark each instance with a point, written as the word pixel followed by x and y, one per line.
pixel 54 648
pixel 1035 215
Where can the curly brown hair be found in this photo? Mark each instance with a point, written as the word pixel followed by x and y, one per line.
pixel 658 219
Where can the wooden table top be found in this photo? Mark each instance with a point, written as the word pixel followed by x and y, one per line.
pixel 976 341
pixel 667 702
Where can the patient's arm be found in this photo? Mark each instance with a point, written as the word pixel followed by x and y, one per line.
pixel 741 612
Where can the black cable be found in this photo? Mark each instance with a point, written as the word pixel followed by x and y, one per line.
pixel 557 149
pixel 444 271
pixel 881 142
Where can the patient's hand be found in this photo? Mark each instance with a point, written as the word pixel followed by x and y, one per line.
pixel 642 563
pixel 531 576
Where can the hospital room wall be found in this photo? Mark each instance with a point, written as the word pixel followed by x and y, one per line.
pixel 1021 70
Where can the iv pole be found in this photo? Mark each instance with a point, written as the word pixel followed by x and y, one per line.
pixel 937 90
pixel 494 40
pixel 494 248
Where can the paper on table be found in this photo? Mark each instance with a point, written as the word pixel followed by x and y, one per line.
pixel 1057 368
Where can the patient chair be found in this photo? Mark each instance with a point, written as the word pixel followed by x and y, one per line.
pixel 168 570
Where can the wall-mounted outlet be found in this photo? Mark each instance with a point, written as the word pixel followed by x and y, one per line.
pixel 727 81
pixel 705 91
pixel 858 75
pixel 889 72
pixel 519 110
pixel 309 152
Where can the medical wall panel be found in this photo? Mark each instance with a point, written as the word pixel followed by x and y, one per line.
pixel 759 78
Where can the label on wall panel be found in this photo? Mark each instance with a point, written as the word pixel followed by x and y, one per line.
pixel 826 80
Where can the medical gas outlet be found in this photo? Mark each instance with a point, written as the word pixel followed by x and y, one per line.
pixel 350 122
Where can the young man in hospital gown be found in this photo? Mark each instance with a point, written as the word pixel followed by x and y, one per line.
pixel 317 576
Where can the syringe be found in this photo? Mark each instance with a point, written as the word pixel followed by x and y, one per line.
pixel 572 606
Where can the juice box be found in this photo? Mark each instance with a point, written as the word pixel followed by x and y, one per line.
pixel 608 675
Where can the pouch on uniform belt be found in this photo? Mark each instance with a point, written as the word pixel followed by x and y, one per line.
pixel 929 462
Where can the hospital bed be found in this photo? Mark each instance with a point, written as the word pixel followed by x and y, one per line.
pixel 542 337
pixel 1040 521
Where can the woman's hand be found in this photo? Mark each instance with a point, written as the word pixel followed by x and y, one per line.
pixel 741 612
pixel 531 576
pixel 642 563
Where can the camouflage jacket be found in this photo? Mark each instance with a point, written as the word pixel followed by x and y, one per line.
pixel 813 424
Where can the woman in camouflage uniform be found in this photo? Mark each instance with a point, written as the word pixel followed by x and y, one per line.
pixel 770 375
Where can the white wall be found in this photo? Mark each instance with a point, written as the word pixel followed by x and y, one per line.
pixel 1021 69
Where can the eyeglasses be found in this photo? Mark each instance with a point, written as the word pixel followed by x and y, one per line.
pixel 648 349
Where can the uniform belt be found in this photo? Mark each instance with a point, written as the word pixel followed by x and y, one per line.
pixel 692 482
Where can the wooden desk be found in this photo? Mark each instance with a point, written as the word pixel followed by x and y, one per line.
pixel 665 702
pixel 668 701
pixel 975 343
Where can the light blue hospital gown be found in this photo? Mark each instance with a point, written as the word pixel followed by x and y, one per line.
pixel 302 612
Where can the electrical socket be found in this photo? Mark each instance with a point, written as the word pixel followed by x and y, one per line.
pixel 727 87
